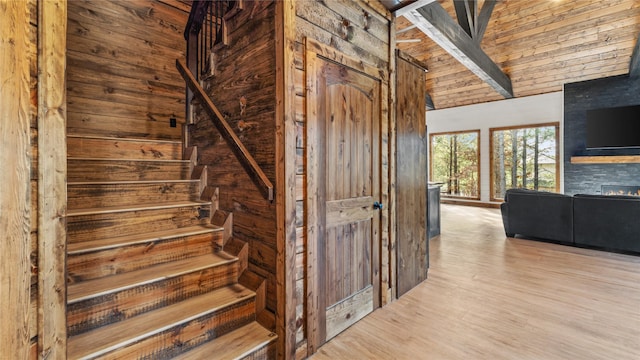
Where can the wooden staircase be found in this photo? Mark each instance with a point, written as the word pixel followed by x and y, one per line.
pixel 152 269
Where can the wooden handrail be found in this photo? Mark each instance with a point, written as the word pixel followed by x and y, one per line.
pixel 248 162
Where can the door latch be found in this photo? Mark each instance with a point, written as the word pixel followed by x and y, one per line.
pixel 377 205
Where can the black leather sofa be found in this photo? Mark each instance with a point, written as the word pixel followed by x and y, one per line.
pixel 538 214
pixel 607 222
pixel 611 222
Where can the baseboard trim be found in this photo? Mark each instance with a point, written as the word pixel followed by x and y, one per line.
pixel 470 203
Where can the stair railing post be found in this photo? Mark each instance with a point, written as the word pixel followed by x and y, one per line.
pixel 192 63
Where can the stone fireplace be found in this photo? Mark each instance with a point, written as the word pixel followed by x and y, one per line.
pixel 580 97
pixel 620 190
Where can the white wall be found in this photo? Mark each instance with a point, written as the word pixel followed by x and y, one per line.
pixel 535 109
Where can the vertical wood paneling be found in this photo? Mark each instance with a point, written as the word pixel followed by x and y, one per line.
pixel 389 256
pixel 15 193
pixel 411 180
pixel 381 274
pixel 287 183
pixel 52 178
pixel 301 231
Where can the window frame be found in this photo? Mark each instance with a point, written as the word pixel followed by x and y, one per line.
pixel 479 167
pixel 555 124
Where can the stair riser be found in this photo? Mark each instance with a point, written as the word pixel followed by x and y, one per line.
pixel 133 257
pixel 102 226
pixel 103 170
pixel 266 352
pixel 123 149
pixel 240 249
pixel 87 196
pixel 106 309
pixel 175 341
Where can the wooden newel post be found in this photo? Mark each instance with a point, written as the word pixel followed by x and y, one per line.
pixel 192 64
pixel 194 24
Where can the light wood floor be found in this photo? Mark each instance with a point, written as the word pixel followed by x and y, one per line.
pixel 491 297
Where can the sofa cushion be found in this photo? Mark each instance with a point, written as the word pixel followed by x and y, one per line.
pixel 516 192
pixel 539 214
pixel 611 222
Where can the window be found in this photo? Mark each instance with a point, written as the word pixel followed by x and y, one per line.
pixel 454 162
pixel 524 157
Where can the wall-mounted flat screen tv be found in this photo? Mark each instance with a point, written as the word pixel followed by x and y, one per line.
pixel 617 127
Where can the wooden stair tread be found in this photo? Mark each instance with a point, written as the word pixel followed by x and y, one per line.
pixel 102 340
pixel 128 182
pixel 124 139
pixel 114 242
pixel 126 168
pixel 234 345
pixel 96 287
pixel 134 160
pixel 137 207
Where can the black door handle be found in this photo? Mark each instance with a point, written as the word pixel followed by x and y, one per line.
pixel 377 206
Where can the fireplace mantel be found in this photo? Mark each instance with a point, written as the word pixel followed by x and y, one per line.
pixel 606 159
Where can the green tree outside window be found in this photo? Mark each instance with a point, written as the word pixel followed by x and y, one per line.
pixel 455 163
pixel 524 157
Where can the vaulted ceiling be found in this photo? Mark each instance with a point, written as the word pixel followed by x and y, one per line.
pixel 539 44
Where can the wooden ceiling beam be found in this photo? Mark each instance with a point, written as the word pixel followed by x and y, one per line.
pixel 435 22
pixel 483 19
pixel 410 27
pixel 466 14
pixel 408 6
pixel 472 23
pixel 634 65
pixel 429 105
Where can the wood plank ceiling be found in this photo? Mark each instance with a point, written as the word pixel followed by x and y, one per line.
pixel 539 44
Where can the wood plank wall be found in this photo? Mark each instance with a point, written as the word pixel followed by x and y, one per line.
pixel 17 54
pixel 369 41
pixel 243 89
pixel 52 179
pixel 32 54
pixel 540 44
pixel 286 182
pixel 412 244
pixel 121 75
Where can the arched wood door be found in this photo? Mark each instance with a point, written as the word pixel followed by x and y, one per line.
pixel 343 183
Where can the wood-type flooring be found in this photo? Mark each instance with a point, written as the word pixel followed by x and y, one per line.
pixel 492 297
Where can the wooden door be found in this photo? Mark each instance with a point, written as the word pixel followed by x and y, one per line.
pixel 343 131
pixel 411 176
